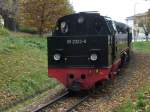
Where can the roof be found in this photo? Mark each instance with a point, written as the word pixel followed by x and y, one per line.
pixel 136 15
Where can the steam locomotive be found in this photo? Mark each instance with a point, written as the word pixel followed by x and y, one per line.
pixel 87 48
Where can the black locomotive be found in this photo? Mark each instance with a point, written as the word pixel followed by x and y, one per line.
pixel 87 48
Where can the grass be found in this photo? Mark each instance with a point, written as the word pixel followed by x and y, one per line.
pixel 23 67
pixel 143 47
pixel 140 102
pixel 21 107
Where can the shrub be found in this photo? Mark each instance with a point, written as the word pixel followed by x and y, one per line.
pixel 4 32
pixel 28 30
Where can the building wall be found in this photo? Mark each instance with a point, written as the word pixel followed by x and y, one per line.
pixel 135 23
pixel 130 23
pixel 140 19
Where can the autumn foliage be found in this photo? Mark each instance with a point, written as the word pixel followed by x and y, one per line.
pixel 42 14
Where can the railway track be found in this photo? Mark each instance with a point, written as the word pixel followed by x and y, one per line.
pixel 57 99
pixel 78 103
pixel 42 107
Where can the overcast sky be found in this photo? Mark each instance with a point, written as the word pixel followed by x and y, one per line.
pixel 116 9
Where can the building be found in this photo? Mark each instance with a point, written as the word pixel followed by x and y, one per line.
pixel 136 22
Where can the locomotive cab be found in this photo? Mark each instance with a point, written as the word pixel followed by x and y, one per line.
pixel 81 24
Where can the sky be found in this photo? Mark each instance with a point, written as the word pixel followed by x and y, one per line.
pixel 116 9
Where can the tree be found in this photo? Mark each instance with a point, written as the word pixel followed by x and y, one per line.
pixel 42 14
pixel 8 10
pixel 147 26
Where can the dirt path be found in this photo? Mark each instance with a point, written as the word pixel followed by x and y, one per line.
pixel 125 84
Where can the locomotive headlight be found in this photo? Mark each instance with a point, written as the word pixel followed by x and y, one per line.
pixel 57 57
pixel 93 57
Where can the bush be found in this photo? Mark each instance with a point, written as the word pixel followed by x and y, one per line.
pixel 28 30
pixel 4 32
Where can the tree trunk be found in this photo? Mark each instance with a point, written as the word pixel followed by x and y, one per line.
pixel 146 37
pixel 10 23
pixel 40 31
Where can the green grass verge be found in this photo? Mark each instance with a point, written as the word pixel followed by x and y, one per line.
pixel 143 47
pixel 141 102
pixel 23 67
